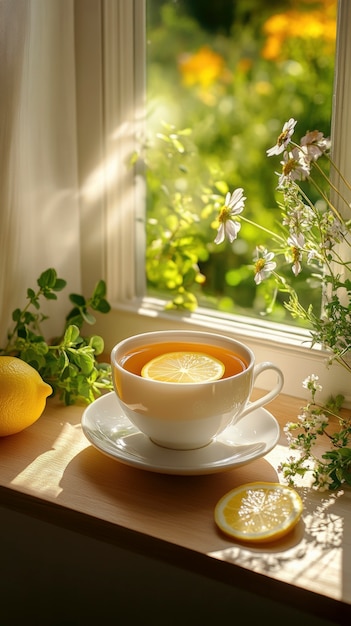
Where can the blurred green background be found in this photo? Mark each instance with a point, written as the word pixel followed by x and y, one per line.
pixel 222 78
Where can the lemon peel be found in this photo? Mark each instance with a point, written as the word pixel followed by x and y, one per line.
pixel 258 511
pixel 23 395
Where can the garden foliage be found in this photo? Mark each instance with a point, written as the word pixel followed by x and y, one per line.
pixel 218 90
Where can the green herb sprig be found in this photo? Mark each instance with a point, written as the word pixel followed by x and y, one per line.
pixel 68 363
pixel 314 235
pixel 319 425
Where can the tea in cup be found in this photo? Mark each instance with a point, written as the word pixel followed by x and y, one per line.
pixel 182 388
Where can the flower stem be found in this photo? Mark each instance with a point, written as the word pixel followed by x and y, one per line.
pixel 265 230
pixel 333 188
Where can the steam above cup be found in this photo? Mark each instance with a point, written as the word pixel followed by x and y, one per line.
pixel 186 416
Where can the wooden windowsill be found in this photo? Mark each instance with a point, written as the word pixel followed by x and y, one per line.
pixel 51 472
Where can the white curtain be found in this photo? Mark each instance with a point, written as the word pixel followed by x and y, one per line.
pixel 39 210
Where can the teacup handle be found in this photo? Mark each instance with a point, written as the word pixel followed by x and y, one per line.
pixel 270 395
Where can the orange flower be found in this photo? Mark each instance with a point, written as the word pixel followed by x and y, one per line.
pixel 316 24
pixel 202 68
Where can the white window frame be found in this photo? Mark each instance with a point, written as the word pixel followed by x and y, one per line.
pixel 110 98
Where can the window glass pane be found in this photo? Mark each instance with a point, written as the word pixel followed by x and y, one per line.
pixel 222 79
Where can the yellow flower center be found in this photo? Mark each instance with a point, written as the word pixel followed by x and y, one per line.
pixel 259 265
pixel 289 166
pixel 295 253
pixel 224 214
pixel 282 137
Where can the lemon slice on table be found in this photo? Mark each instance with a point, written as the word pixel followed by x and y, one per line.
pixel 184 367
pixel 258 511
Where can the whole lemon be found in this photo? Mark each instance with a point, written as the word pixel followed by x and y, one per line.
pixel 23 395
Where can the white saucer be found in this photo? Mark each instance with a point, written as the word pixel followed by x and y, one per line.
pixel 107 427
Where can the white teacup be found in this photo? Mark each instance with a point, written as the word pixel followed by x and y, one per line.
pixel 186 416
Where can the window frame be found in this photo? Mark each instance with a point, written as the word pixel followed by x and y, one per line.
pixel 112 223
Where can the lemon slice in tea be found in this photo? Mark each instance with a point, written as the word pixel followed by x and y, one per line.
pixel 184 367
pixel 258 511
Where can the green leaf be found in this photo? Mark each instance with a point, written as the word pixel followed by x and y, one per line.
pixel 163 137
pixel 88 317
pixel 40 346
pixel 347 477
pixel 100 289
pixel 222 186
pixel 185 132
pixel 59 363
pixel 71 334
pixel 178 145
pixel 47 279
pixel 33 298
pixel 103 306
pixel 16 315
pixel 97 344
pixel 30 294
pixel 339 474
pixel 75 318
pixel 183 169
pixel 84 361
pixel 77 299
pixel 49 295
pixel 70 372
pixel 59 284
